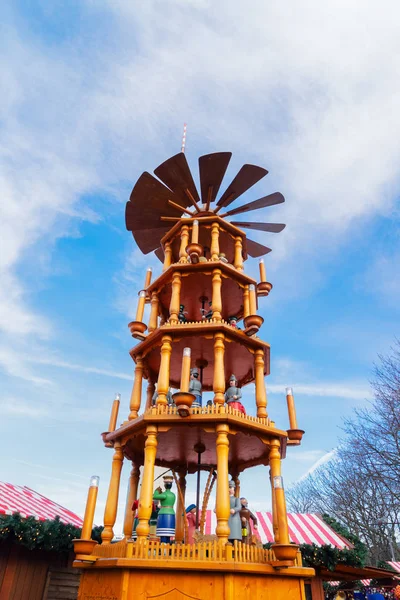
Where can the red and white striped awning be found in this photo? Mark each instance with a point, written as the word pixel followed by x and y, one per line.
pixel 303 529
pixel 365 582
pixel 14 498
pixel 394 565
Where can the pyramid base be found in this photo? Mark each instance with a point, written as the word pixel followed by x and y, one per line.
pixel 170 584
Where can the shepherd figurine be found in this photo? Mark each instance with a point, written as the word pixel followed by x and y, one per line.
pixel 233 395
pixel 195 386
pixel 166 515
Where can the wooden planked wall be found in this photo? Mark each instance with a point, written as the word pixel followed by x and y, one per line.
pixel 62 584
pixel 23 572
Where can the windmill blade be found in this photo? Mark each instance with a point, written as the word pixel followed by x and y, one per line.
pixel 160 254
pixel 147 203
pixel 175 173
pixel 255 249
pixel 244 180
pixel 149 239
pixel 270 200
pixel 270 227
pixel 212 168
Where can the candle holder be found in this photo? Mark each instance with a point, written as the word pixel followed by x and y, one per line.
pixel 264 288
pixel 194 251
pixel 285 552
pixel 295 435
pixel 137 329
pixel 252 324
pixel 183 401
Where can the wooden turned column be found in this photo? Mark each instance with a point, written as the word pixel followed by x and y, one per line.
pixel 153 312
pixel 246 301
pixel 110 511
pixel 167 256
pixel 184 244
pixel 136 396
pixel 238 259
pixel 261 393
pixel 216 294
pixel 175 297
pixel 151 388
pixel 130 498
pixel 214 241
pixel 235 478
pixel 180 529
pixel 278 492
pixel 274 515
pixel 219 369
pixel 222 506
pixel 163 374
pixel 146 492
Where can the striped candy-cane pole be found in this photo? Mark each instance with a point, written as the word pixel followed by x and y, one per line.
pixel 184 138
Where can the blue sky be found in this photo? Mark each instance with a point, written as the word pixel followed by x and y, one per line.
pixel 94 93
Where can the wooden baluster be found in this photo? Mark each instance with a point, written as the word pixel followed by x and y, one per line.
pixel 110 512
pixel 238 260
pixel 131 497
pixel 219 369
pixel 184 244
pixel 175 298
pixel 216 295
pixel 146 492
pixel 153 312
pixel 136 396
pixel 222 508
pixel 246 301
pixel 163 374
pixel 167 256
pixel 261 394
pixel 214 241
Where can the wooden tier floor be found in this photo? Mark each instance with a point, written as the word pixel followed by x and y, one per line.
pixel 249 439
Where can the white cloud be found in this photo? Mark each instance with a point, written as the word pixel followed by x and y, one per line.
pixel 19 408
pixel 321 461
pixel 344 389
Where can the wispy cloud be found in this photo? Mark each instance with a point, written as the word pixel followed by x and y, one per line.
pixel 18 408
pixel 54 362
pixel 354 390
pixel 321 461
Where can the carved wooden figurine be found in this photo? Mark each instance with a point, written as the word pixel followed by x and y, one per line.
pixel 235 524
pixel 166 515
pixel 233 395
pixel 195 386
pixel 191 517
pixel 246 516
pixel 182 314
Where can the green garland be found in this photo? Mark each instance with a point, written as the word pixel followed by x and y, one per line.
pixel 328 556
pixel 41 535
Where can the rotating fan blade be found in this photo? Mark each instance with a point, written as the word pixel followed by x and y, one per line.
pixel 244 180
pixel 269 200
pixel 160 254
pixel 149 239
pixel 255 249
pixel 147 203
pixel 270 227
pixel 212 169
pixel 175 173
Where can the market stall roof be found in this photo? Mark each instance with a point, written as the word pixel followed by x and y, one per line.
pixel 394 565
pixel 346 573
pixel 23 500
pixel 303 529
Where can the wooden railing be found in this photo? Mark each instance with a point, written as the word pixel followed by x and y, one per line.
pixel 210 551
pixel 213 409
